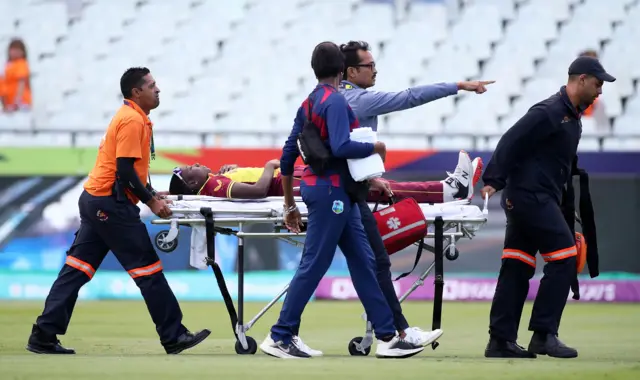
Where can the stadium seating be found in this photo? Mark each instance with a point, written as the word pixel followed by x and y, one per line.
pixel 216 61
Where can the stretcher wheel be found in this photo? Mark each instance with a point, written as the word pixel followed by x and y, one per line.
pixel 253 347
pixel 354 351
pixel 452 256
pixel 163 245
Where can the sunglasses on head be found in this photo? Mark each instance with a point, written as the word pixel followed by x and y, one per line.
pixel 177 172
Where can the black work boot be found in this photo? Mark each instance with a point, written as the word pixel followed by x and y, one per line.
pixel 500 348
pixel 186 341
pixel 549 344
pixel 43 343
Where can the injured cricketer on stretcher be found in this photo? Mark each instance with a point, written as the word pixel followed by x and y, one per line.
pixel 236 182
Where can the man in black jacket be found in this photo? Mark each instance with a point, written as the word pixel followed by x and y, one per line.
pixel 110 221
pixel 532 164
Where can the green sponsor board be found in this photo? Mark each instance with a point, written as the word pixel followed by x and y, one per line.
pixel 66 161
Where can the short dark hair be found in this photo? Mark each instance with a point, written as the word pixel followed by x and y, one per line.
pixel 350 52
pixel 132 78
pixel 17 43
pixel 327 60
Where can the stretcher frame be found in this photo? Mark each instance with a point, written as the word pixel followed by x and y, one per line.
pixel 358 346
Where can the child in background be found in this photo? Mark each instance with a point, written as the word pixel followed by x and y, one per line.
pixel 15 89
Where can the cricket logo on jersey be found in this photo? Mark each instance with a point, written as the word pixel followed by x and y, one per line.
pixel 217 186
pixel 338 207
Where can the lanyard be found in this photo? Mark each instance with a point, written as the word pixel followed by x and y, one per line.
pixel 152 147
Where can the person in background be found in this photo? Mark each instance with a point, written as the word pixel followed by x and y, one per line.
pixel 596 110
pixel 590 53
pixel 15 88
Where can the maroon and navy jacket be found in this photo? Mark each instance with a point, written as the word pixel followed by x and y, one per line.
pixel 333 115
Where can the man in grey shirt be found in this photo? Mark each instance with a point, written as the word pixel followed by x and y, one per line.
pixel 360 73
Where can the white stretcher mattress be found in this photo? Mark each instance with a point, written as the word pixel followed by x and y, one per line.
pixel 471 216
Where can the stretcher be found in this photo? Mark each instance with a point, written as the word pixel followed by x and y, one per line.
pixel 448 223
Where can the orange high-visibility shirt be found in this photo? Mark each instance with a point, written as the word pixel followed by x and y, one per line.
pixel 14 72
pixel 128 135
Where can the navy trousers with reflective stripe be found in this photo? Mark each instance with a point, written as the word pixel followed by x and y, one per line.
pixel 108 225
pixel 535 223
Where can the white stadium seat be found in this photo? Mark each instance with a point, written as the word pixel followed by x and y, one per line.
pixel 622 144
pixel 446 142
pixel 416 120
pixel 34 139
pixel 89 139
pixel 489 144
pixel 393 141
pixel 590 127
pixel 589 144
pixel 15 121
pixel 229 71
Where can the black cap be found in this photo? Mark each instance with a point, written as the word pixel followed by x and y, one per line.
pixel 590 66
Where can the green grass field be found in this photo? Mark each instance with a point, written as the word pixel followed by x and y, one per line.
pixel 116 340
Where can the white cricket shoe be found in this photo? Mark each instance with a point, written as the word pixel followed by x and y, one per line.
pixel 458 184
pixel 420 337
pixel 281 350
pixel 397 348
pixel 297 341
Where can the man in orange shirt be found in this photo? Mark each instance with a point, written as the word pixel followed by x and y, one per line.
pixel 110 221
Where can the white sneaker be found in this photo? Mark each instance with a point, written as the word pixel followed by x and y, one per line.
pixel 458 184
pixel 420 337
pixel 281 350
pixel 297 341
pixel 397 348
